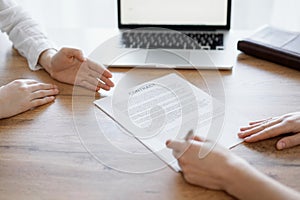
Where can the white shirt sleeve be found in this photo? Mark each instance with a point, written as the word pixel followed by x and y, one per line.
pixel 24 32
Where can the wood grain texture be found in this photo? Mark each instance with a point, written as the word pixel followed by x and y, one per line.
pixel 42 155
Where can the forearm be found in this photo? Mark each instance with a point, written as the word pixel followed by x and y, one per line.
pixel 248 183
pixel 24 32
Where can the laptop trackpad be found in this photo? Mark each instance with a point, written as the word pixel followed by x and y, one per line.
pixel 166 57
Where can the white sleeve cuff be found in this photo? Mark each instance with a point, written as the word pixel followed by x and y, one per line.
pixel 34 54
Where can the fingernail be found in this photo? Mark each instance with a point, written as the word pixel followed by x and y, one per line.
pixel 240 134
pixel 168 142
pixel 247 139
pixel 281 145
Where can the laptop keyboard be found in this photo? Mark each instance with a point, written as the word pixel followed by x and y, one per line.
pixel 172 40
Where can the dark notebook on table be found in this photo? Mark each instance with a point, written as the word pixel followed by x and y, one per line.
pixel 275 45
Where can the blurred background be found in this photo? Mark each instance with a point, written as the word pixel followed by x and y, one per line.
pixel 85 24
pixel 246 14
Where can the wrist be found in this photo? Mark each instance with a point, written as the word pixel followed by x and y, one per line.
pixel 237 176
pixel 2 102
pixel 45 59
pixel 246 182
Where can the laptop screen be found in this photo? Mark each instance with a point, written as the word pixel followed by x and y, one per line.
pixel 177 14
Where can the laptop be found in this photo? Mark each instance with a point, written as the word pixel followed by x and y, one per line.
pixel 185 34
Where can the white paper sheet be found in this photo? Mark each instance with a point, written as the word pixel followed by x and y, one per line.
pixel 167 108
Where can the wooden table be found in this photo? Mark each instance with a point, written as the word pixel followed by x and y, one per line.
pixel 42 156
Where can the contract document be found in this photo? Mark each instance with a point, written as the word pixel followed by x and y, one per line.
pixel 167 108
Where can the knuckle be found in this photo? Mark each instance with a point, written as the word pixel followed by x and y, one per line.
pixel 40 102
pixel 266 131
pixel 63 49
pixel 83 82
pixel 285 116
pixel 288 142
pixel 23 88
pixel 289 121
pixel 182 161
pixel 35 103
pixel 17 83
pixel 43 93
pixel 48 100
pixel 189 177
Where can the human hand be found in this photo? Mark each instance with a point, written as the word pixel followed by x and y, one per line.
pixel 21 95
pixel 70 66
pixel 222 170
pixel 208 171
pixel 268 128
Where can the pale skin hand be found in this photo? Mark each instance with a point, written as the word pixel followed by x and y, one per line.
pixel 201 172
pixel 68 65
pixel 222 170
pixel 272 127
pixel 21 95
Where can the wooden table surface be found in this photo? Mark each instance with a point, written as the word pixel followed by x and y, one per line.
pixel 42 155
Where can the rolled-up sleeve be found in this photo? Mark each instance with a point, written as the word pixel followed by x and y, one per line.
pixel 24 32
